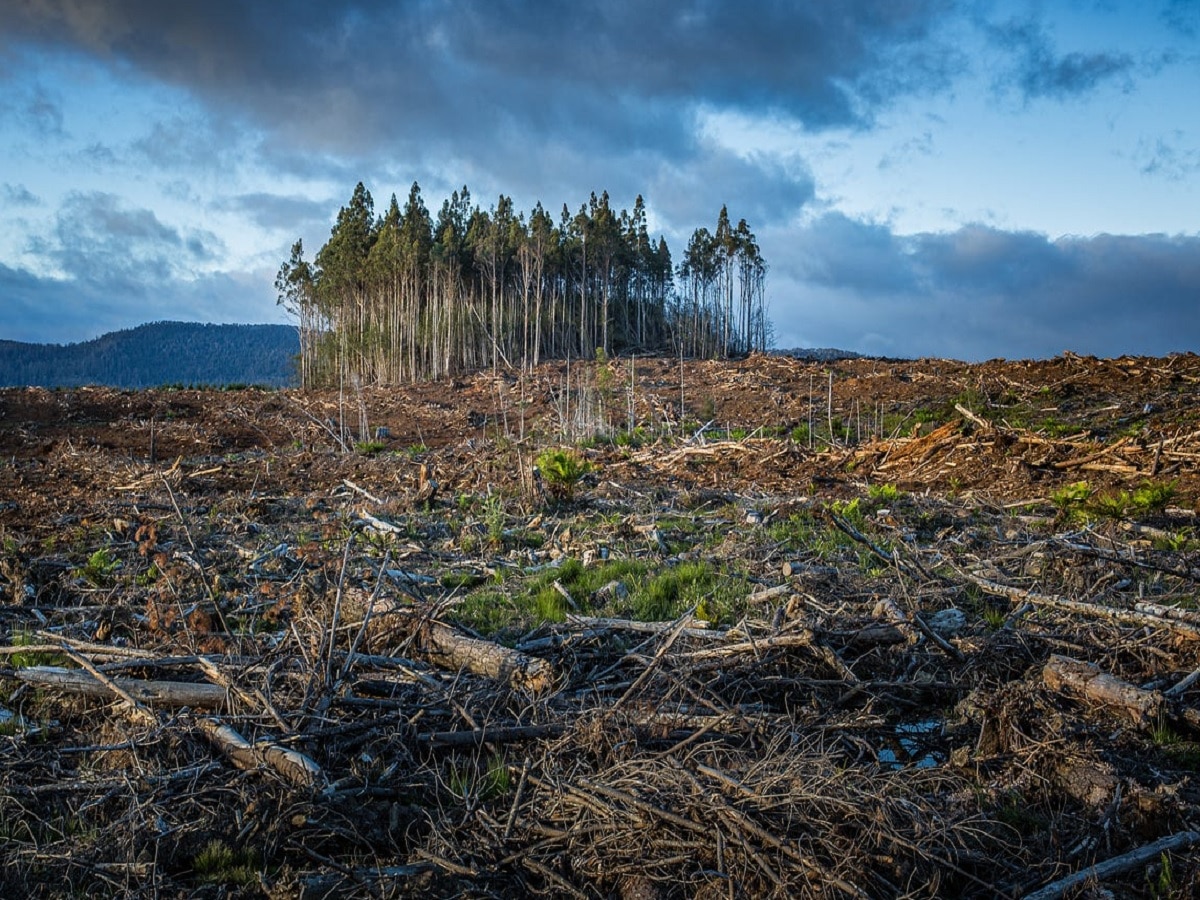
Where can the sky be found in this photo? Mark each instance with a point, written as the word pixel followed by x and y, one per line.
pixel 976 179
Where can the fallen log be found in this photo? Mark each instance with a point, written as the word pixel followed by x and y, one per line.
pixel 293 765
pixel 162 693
pixel 1116 865
pixel 1084 679
pixel 449 648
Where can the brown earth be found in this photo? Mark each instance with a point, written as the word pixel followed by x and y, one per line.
pixel 809 719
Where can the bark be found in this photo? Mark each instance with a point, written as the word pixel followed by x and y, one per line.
pixel 1084 679
pixel 291 764
pixel 161 693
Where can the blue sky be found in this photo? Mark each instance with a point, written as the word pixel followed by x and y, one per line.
pixel 926 178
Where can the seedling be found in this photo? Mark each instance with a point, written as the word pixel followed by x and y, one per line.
pixel 562 471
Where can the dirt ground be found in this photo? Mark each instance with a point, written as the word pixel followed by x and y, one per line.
pixel 871 628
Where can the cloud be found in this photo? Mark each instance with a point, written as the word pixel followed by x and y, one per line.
pixel 1183 16
pixel 61 310
pixel 277 212
pixel 193 142
pixel 1037 71
pixel 33 108
pixel 1167 157
pixel 96 239
pixel 18 195
pixel 380 74
pixel 762 190
pixel 980 292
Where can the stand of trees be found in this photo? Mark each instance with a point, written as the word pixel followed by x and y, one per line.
pixel 406 296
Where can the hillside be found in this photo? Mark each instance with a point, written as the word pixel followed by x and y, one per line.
pixel 155 354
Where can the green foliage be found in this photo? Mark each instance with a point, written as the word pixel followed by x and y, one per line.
pixel 1153 496
pixel 1162 886
pixel 1182 751
pixel 369 448
pixel 1078 500
pixel 218 863
pixel 634 439
pixel 98 570
pixel 387 298
pixel 562 470
pixel 468 783
pixel 487 612
pixel 884 493
pixel 995 617
pixel 673 591
pixel 495 517
pixel 1071 499
pixel 851 511
pixel 23 638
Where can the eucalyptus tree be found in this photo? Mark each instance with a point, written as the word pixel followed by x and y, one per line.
pixel 406 297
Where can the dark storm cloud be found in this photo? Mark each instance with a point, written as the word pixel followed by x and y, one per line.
pixel 980 292
pixel 762 191
pixel 413 73
pixel 1038 71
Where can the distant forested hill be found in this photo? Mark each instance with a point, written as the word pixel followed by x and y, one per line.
pixel 157 354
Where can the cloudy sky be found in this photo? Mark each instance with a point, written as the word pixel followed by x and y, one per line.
pixel 926 177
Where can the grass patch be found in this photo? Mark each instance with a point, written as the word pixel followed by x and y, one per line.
pixel 218 863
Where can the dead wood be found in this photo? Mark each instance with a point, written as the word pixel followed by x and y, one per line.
pixel 1086 680
pixel 807 741
pixel 143 691
pixel 451 649
pixel 296 767
pixel 1116 865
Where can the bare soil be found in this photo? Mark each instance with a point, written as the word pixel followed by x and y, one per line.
pixel 874 628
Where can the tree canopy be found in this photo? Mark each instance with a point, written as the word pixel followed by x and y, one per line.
pixel 407 296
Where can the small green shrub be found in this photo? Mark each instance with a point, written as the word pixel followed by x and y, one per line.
pixel 562 471
pixel 218 863
pixel 369 448
pixel 98 570
pixel 884 493
pixel 1154 496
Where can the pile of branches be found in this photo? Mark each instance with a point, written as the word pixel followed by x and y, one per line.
pixel 960 701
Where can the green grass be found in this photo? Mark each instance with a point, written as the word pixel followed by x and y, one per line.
pixel 218 863
pixel 884 493
pixel 652 594
pixel 470 781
